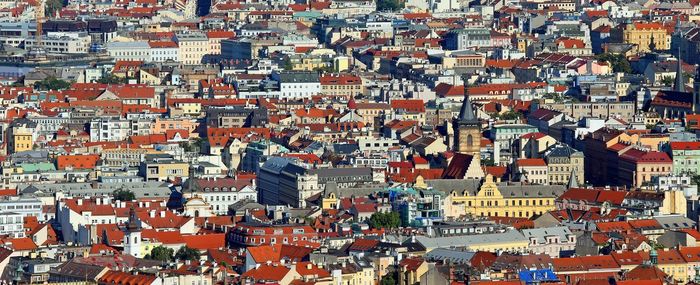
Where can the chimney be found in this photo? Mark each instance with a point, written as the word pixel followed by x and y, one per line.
pixel 80 202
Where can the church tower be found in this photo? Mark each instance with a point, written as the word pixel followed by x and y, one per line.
pixel 467 130
pixel 132 235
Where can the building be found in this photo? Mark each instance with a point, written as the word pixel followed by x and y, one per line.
pixel 163 51
pixel 163 168
pixel 193 46
pixel 468 38
pixel 298 84
pixel 254 235
pixel 109 129
pixel 342 85
pixel 236 116
pixel 511 241
pixel 644 34
pixel 562 161
pixel 129 51
pixel 532 170
pixel 685 156
pixel 278 183
pixel 504 138
pixel 220 193
pixel 637 167
pixel 21 135
pixel 487 199
pixel 551 240
pixel 62 43
pixel 467 131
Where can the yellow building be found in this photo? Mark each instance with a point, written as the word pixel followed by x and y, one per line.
pixel 193 47
pixel 20 136
pixel 164 169
pixel 642 34
pixel 353 275
pixel 471 197
pixel 411 270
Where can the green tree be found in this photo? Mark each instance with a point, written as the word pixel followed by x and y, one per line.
pixel 123 195
pixel 618 62
pixel 52 6
pixel 667 80
pixel 288 64
pixel 388 5
pixel 389 278
pixel 52 83
pixel 510 115
pixel 161 253
pixel 385 220
pixel 112 79
pixel 186 253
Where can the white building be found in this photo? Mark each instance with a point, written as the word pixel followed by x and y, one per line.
pixel 12 224
pixel 164 51
pixel 23 206
pixel 297 85
pixel 139 50
pixel 109 129
pixel 62 42
pixel 551 241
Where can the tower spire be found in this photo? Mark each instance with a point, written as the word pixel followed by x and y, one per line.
pixel 679 85
pixel 573 181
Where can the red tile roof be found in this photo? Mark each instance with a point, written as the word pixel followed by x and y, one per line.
pixel 87 161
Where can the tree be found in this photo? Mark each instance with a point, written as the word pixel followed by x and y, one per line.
pixel 124 195
pixel 618 62
pixel 186 253
pixel 667 80
pixel 52 83
pixel 288 64
pixel 112 79
pixel 161 253
pixel 388 5
pixel 390 278
pixel 385 220
pixel 652 44
pixel 510 115
pixel 52 6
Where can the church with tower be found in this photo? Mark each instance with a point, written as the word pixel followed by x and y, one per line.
pixel 466 161
pixel 678 102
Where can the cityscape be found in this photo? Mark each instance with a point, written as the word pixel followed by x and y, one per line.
pixel 349 142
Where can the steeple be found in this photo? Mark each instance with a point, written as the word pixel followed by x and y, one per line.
pixel 653 257
pixel 134 224
pixel 573 181
pixel 466 113
pixel 679 85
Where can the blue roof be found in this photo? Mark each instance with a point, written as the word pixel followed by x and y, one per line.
pixel 535 276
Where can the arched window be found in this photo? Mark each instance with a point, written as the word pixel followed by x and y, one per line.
pixel 470 140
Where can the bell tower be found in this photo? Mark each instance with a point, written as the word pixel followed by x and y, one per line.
pixel 132 235
pixel 467 130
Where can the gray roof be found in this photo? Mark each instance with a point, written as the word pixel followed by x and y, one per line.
pixel 541 234
pixel 471 240
pixel 674 222
pixel 349 171
pixel 560 150
pixel 299 77
pixel 508 190
pixel 453 255
pixel 519 190
pixel 140 189
pixel 459 185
